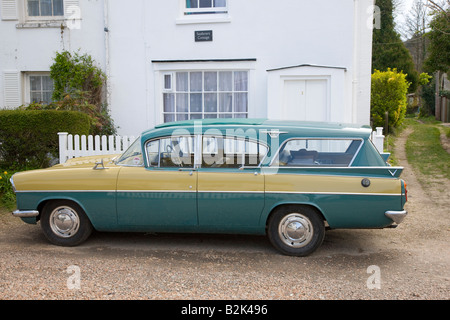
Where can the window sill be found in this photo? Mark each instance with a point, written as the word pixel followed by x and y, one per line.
pixel 201 18
pixel 41 24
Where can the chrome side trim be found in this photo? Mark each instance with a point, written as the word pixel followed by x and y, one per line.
pixel 25 213
pixel 396 216
pixel 12 183
pixel 335 193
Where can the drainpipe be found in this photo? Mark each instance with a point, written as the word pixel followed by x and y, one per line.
pixel 107 62
pixel 355 74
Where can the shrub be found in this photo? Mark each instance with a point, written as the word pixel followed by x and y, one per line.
pixel 29 139
pixel 389 90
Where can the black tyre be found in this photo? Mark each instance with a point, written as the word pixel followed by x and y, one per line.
pixel 64 223
pixel 296 230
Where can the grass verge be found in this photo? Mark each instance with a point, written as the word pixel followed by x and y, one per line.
pixel 424 150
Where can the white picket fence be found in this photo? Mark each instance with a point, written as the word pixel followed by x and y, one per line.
pixel 74 146
pixel 378 139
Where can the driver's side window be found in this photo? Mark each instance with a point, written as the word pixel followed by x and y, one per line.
pixel 171 152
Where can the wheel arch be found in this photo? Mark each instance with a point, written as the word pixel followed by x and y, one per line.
pixel 44 202
pixel 299 204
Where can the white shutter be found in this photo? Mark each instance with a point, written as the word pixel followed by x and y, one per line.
pixel 9 9
pixel 11 87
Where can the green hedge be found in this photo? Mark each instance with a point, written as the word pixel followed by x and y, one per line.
pixel 29 139
pixel 388 94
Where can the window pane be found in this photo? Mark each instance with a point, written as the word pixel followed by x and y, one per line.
pixel 210 102
pixel 46 7
pixel 196 116
pixel 35 83
pixel 182 116
pixel 211 116
pixel 191 4
pixel 226 102
pixel 205 3
pixel 226 81
pixel 220 3
pixel 196 102
pixel 210 81
pixel 33 8
pixel 47 97
pixel 58 7
pixel 35 97
pixel 241 81
pixel 169 102
pixel 169 117
pixel 196 82
pixel 318 152
pixel 241 102
pixel 153 152
pixel 182 103
pixel 47 83
pixel 182 81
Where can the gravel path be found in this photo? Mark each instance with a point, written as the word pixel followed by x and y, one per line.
pixel 411 262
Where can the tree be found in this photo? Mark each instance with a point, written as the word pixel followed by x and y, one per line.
pixel 388 49
pixel 414 30
pixel 439 36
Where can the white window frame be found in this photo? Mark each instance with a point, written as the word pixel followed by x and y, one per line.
pixel 27 86
pixel 204 114
pixel 43 18
pixel 211 10
pixel 203 15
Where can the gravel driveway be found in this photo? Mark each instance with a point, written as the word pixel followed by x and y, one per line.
pixel 410 262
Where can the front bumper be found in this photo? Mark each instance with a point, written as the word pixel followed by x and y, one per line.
pixel 25 213
pixel 396 216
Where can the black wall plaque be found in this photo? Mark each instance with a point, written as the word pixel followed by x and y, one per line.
pixel 205 35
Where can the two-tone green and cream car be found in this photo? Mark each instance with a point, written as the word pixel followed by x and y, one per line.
pixel 288 180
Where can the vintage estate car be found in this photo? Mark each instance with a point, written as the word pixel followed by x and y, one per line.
pixel 288 180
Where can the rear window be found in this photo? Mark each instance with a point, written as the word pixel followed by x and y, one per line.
pixel 317 152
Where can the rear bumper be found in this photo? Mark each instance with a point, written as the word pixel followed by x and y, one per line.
pixel 396 216
pixel 25 213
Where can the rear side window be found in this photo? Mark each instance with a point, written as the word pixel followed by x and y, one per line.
pixel 317 152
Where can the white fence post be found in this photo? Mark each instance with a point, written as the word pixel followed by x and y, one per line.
pixel 75 146
pixel 378 139
pixel 62 146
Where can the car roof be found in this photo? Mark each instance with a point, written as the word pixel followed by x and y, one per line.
pixel 299 128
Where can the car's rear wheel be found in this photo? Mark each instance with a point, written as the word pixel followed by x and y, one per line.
pixel 296 230
pixel 64 223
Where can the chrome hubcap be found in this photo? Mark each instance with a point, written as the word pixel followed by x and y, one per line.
pixel 64 222
pixel 295 230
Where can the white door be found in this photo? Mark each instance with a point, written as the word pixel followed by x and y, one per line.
pixel 305 100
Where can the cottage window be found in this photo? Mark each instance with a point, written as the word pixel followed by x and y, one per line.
pixel 205 7
pixel 40 88
pixel 206 94
pixel 45 8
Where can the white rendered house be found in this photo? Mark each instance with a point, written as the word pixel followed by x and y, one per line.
pixel 187 59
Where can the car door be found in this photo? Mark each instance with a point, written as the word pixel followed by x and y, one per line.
pixel 230 184
pixel 163 195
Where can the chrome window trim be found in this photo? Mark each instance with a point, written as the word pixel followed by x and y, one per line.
pixel 159 158
pixel 257 141
pixel 319 138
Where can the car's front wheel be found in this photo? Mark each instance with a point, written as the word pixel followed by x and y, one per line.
pixel 296 230
pixel 64 223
